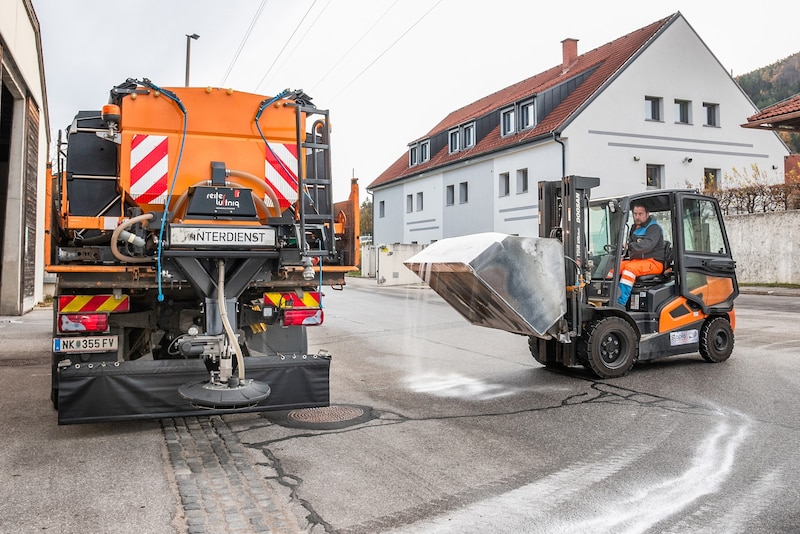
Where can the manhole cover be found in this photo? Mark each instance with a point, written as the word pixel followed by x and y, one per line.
pixel 326 414
pixel 332 417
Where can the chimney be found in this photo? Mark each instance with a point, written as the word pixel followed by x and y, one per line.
pixel 569 48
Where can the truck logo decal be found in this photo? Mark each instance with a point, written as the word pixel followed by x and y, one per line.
pixel 280 169
pixel 149 167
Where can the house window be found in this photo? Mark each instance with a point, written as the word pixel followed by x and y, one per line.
pixel 527 117
pixel 454 145
pixel 419 153
pixel 652 108
pixel 654 176
pixel 683 110
pixel 450 195
pixel 468 135
pixel 507 121
pixel 409 203
pixel 503 184
pixel 463 192
pixel 712 114
pixel 419 201
pixel 381 209
pixel 522 181
pixel 711 179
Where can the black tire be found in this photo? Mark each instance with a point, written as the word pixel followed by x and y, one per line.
pixel 716 340
pixel 609 347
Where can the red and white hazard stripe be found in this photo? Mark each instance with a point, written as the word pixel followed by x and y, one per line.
pixel 281 171
pixel 149 168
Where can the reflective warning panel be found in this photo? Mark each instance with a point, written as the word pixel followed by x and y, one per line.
pixel 93 303
pixel 307 299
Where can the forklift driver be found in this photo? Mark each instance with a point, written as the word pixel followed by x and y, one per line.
pixel 644 250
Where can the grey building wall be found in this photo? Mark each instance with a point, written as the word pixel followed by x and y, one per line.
pixel 477 213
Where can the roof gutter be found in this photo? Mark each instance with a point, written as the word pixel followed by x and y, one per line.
pixel 556 138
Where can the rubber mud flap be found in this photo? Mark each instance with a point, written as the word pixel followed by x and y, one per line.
pixel 149 389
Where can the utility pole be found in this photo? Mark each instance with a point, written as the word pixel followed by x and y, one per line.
pixel 189 52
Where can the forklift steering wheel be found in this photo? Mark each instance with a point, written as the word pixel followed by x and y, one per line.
pixel 610 247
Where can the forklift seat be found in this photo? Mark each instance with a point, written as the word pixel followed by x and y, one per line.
pixel 666 275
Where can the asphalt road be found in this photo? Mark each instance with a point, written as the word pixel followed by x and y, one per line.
pixel 461 431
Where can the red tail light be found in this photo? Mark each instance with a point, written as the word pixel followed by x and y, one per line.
pixel 303 317
pixel 82 322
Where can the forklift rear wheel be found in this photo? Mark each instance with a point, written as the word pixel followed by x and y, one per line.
pixel 609 347
pixel 716 340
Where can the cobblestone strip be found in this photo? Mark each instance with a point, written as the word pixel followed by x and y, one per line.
pixel 220 490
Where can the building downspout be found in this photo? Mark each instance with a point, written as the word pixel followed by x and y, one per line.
pixel 556 136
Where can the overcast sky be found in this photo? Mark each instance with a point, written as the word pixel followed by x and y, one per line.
pixel 388 70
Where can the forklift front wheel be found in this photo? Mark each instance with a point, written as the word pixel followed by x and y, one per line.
pixel 609 347
pixel 716 340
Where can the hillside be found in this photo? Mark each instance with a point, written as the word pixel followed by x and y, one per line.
pixel 774 83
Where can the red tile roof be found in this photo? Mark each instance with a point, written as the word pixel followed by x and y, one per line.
pixel 783 115
pixel 607 60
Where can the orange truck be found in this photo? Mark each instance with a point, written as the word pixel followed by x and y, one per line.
pixel 191 231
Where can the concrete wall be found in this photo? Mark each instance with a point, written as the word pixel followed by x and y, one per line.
pixel 766 247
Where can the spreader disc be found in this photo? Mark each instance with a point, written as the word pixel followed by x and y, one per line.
pixel 206 394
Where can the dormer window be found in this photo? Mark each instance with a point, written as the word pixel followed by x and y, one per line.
pixel 461 138
pixel 468 135
pixel 527 115
pixel 455 144
pixel 419 153
pixel 507 124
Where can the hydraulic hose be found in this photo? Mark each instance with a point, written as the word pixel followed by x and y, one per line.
pixel 223 313
pixel 116 237
pixel 261 184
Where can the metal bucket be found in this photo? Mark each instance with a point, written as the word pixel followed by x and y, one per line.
pixel 510 283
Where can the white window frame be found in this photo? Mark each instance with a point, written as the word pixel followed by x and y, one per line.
pixel 653 108
pixel 450 195
pixel 711 114
pixel 711 178
pixel 463 193
pixel 381 209
pixel 503 185
pixel 527 115
pixel 413 156
pixel 682 106
pixel 454 140
pixel 468 135
pixel 654 179
pixel 419 201
pixel 409 203
pixel 424 151
pixel 507 123
pixel 522 181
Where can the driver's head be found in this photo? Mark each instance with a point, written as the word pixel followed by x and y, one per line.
pixel 640 213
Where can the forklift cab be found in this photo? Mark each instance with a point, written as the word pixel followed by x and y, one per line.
pixel 698 265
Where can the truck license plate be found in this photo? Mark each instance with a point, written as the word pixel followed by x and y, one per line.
pixel 85 344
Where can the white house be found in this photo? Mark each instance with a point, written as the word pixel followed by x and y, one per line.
pixel 651 109
pixel 23 157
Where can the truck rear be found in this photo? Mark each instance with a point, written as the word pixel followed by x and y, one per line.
pixel 191 231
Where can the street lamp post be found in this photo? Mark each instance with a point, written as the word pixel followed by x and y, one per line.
pixel 188 53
